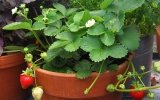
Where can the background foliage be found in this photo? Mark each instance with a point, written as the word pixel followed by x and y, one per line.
pixel 145 17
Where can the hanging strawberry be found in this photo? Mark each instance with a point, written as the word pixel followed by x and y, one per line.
pixel 27 78
pixel 37 93
pixel 137 95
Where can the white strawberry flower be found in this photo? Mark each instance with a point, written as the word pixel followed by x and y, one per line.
pixel 37 93
pixel 90 23
pixel 14 10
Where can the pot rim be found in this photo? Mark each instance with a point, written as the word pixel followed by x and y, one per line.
pixel 11 60
pixel 10 55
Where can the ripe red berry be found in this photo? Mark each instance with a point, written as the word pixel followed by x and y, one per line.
pixel 137 95
pixel 26 81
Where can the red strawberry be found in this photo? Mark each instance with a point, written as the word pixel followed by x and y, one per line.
pixel 137 95
pixel 26 81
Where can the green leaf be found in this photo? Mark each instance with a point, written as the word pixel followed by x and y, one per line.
pixel 67 55
pixel 58 44
pixel 113 8
pixel 114 22
pixel 39 18
pixel 66 36
pixel 53 17
pixel 96 67
pixel 82 65
pixel 17 25
pixel 71 11
pixel 97 29
pixel 73 46
pixel 130 38
pixel 83 74
pixel 117 51
pixel 73 27
pixel 90 42
pixel 51 31
pixel 52 53
pixel 31 47
pixel 29 35
pixel 105 4
pixel 121 17
pixel 98 18
pixel 45 11
pixel 120 32
pixel 13 48
pixel 83 69
pixel 49 67
pixel 57 24
pixel 98 13
pixel 78 17
pixel 60 8
pixel 98 55
pixel 59 62
pixel 38 26
pixel 112 67
pixel 85 18
pixel 108 38
pixel 128 5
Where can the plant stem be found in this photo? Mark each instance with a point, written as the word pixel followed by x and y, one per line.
pixel 39 50
pixel 134 71
pixel 138 89
pixel 47 41
pixel 37 60
pixel 35 78
pixel 41 63
pixel 52 39
pixel 140 80
pixel 145 72
pixel 99 73
pixel 123 75
pixel 38 39
pixel 125 79
pixel 23 16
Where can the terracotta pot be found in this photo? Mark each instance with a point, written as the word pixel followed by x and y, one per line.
pixel 158 38
pixel 10 68
pixel 61 86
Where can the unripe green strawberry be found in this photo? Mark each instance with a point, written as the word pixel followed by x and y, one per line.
pixel 25 49
pixel 157 66
pixel 37 93
pixel 28 57
pixel 110 88
pixel 43 55
pixel 151 95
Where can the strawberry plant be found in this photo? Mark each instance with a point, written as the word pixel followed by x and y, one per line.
pixel 79 41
